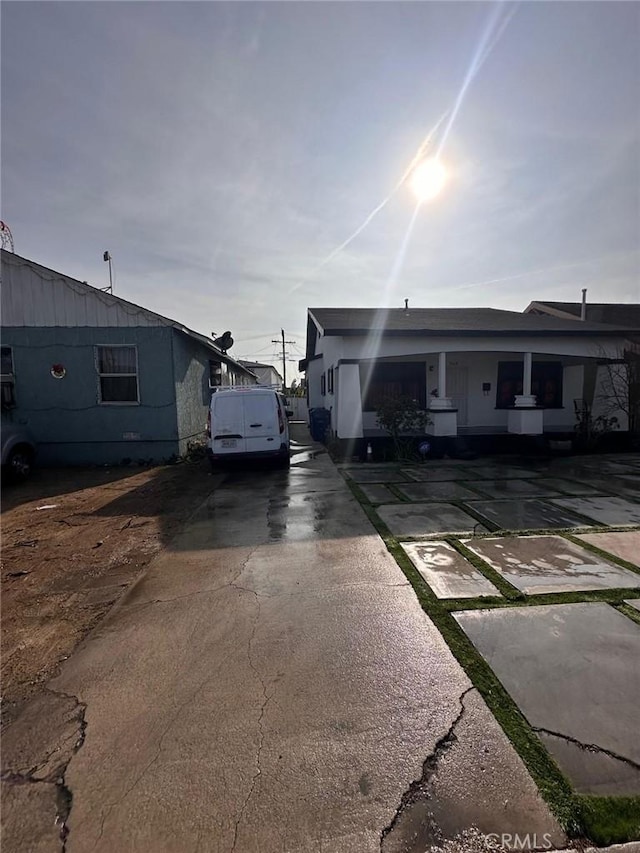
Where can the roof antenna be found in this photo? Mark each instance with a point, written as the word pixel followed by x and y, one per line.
pixel 583 308
pixel 406 304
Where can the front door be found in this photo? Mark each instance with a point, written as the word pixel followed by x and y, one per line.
pixel 457 390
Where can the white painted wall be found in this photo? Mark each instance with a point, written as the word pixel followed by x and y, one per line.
pixel 348 412
pixel 314 370
pixel 420 346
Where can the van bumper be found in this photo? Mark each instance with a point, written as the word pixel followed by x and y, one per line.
pixel 282 451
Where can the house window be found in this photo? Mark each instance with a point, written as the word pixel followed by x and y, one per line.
pixel 118 374
pixel 391 380
pixel 330 380
pixel 323 384
pixel 546 383
pixel 8 379
pixel 215 374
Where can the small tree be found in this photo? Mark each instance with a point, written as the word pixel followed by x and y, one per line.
pixel 401 417
pixel 620 388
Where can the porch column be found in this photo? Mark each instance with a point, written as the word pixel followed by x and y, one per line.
pixel 444 418
pixel 525 418
pixel 526 400
pixel 441 401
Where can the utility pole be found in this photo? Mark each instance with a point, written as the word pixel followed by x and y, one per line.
pixel 284 359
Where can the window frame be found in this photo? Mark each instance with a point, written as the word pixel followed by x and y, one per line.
pixel 541 372
pixel 101 402
pixel 215 364
pixel 330 380
pixel 323 384
pixel 411 377
pixel 8 382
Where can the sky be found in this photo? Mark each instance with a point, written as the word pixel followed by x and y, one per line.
pixel 222 151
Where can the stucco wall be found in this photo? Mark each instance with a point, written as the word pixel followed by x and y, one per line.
pixel 67 420
pixel 191 374
pixel 314 371
pixel 583 347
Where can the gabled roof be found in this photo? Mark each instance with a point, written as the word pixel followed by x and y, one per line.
pixel 251 364
pixel 459 322
pixel 98 307
pixel 614 313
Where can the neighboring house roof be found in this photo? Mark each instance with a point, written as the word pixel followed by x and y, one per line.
pixel 253 364
pixel 615 313
pixel 97 308
pixel 469 322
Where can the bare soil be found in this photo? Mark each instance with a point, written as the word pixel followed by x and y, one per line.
pixel 73 540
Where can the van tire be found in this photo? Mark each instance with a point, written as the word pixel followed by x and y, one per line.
pixel 19 463
pixel 284 462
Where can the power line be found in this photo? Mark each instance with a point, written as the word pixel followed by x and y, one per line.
pixel 284 358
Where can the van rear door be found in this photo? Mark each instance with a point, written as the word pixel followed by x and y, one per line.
pixel 227 424
pixel 261 422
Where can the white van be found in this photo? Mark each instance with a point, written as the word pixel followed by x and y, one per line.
pixel 248 422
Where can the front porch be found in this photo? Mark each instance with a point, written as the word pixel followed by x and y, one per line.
pixel 472 393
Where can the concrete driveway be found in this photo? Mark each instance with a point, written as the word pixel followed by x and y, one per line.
pixel 271 684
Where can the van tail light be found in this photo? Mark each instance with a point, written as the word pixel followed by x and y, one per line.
pixel 280 418
pixel 209 423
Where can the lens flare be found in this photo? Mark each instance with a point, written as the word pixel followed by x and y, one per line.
pixel 428 179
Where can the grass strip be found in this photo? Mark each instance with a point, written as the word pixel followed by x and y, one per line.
pixel 510 592
pixel 599 552
pixel 629 611
pixel 609 820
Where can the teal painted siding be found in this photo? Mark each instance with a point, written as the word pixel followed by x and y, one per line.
pixel 65 415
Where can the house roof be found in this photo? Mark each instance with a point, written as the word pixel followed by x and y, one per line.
pixel 615 313
pixel 252 364
pixel 459 321
pixel 105 303
pixel 468 322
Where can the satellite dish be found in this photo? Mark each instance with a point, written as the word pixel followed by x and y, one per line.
pixel 224 342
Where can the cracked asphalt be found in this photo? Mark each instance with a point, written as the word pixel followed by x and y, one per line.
pixel 270 684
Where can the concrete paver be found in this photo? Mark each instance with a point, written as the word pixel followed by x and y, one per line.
pixel 376 475
pixel 435 474
pixel 515 488
pixel 377 493
pixel 526 514
pixel 437 491
pixel 574 671
pixel 569 487
pixel 446 571
pixel 605 510
pixel 426 519
pixel 504 472
pixel 634 602
pixel 624 544
pixel 544 564
pixel 272 683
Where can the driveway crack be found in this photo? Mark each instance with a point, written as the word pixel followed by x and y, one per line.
pixel 418 789
pixel 265 701
pixel 57 775
pixel 588 747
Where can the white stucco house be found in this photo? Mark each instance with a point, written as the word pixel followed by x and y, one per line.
pixel 477 371
pixel 266 373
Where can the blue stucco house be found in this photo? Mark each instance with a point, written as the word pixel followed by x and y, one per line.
pixel 97 379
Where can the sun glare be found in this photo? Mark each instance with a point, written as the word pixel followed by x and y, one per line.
pixel 428 179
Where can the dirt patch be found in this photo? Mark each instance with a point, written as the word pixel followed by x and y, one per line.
pixel 73 540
